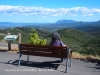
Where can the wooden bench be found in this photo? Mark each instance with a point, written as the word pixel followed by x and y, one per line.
pixel 47 51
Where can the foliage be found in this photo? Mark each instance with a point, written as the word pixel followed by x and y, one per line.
pixel 1 37
pixel 92 47
pixel 34 39
pixel 74 37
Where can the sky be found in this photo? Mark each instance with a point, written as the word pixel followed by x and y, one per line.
pixel 49 11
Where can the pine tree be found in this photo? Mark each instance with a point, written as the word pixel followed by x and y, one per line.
pixel 34 38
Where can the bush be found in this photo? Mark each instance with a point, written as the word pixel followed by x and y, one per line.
pixel 92 47
pixel 90 51
pixel 34 38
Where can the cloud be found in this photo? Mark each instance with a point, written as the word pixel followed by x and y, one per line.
pixel 96 10
pixel 87 15
pixel 40 11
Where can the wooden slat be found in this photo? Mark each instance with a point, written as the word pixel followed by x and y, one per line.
pixel 45 50
pixel 42 46
pixel 53 48
pixel 44 54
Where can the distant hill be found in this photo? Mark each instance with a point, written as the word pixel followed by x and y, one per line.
pixel 84 26
pixel 5 25
pixel 65 21
pixel 89 28
pixel 60 24
pixel 74 37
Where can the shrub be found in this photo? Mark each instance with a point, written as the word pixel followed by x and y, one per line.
pixel 34 38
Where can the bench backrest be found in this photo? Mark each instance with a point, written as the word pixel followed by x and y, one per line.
pixel 41 50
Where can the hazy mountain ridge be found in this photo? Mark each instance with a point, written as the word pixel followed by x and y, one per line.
pixel 65 21
pixel 59 22
pixel 85 26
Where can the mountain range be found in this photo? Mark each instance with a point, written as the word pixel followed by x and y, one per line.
pixel 65 21
pixel 60 24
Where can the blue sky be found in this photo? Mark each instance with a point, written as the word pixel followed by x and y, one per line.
pixel 30 11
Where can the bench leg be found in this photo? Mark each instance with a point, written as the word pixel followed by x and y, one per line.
pixel 19 59
pixel 27 57
pixel 70 62
pixel 62 59
pixel 66 66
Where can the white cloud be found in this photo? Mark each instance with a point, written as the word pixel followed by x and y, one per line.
pixel 28 10
pixel 87 15
pixel 96 10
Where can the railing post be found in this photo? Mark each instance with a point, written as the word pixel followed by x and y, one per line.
pixel 9 46
pixel 19 36
pixel 9 43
